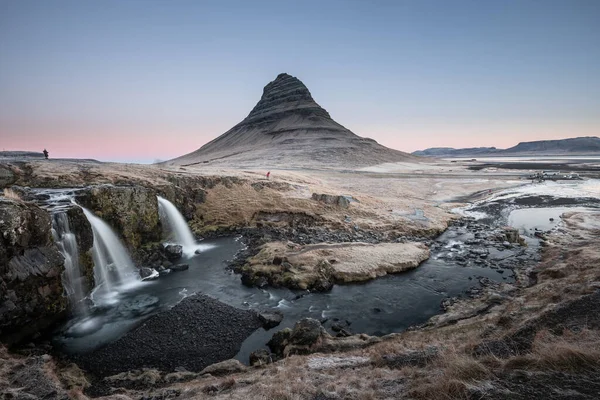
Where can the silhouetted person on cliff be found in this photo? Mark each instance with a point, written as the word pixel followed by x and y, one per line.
pixel 45 154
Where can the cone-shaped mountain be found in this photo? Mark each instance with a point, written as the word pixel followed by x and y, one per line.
pixel 288 128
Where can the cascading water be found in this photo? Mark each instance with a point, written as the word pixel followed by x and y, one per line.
pixel 67 244
pixel 181 233
pixel 113 268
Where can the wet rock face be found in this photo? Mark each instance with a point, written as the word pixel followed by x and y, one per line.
pixel 173 252
pixel 31 291
pixel 132 211
pixel 84 235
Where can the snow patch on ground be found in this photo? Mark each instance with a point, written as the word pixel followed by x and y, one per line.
pixel 336 362
pixel 570 189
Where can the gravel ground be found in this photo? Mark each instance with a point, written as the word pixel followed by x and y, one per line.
pixel 195 333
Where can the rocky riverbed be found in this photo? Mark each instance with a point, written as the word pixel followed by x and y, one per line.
pixel 197 332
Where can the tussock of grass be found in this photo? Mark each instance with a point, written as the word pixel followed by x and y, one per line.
pixel 11 194
pixel 570 352
pixel 452 374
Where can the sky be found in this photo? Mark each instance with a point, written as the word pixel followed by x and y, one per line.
pixel 139 81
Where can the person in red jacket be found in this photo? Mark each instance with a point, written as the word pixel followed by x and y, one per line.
pixel 268 174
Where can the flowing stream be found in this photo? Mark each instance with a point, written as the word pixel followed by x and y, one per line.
pixel 384 305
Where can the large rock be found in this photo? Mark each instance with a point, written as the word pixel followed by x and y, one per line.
pixel 309 336
pixel 270 319
pixel 317 267
pixel 131 210
pixel 306 332
pixel 260 357
pixel 224 368
pixel 173 252
pixel 340 201
pixel 31 290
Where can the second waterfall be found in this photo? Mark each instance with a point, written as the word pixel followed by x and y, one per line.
pixel 177 228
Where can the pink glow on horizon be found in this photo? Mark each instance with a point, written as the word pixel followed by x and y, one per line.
pixel 147 144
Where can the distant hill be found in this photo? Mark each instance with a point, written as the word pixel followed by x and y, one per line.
pixel 288 128
pixel 21 154
pixel 451 152
pixel 581 145
pixel 587 145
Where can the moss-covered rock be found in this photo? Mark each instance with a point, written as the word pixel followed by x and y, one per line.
pixel 131 210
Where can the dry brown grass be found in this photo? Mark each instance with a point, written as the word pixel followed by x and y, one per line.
pixel 11 194
pixel 449 376
pixel 569 352
pixel 237 205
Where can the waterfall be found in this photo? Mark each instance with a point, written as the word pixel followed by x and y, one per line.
pixel 113 268
pixel 181 233
pixel 67 244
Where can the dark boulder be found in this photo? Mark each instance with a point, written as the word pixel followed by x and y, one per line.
pixel 306 332
pixel 270 319
pixel 279 340
pixel 148 274
pixel 173 251
pixel 180 267
pixel 260 357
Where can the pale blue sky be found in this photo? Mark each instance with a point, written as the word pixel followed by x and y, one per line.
pixel 140 80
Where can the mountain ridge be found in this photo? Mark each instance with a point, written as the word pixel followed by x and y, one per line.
pixel 583 145
pixel 288 126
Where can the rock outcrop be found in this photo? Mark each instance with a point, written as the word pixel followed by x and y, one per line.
pixel 287 127
pixel 340 201
pixel 317 267
pixel 7 176
pixel 308 336
pixel 31 290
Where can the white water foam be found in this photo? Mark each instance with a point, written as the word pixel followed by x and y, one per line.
pixel 182 235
